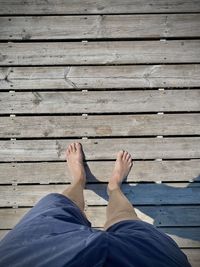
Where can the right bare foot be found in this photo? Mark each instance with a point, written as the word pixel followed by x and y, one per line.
pixel 74 155
pixel 121 170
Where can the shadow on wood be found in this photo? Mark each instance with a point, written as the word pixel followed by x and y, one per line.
pixel 143 190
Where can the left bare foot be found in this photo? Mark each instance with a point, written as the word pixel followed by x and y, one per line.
pixel 74 156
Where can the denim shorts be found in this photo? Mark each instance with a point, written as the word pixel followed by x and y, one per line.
pixel 56 233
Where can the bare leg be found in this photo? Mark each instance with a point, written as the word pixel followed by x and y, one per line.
pixel 119 208
pixel 74 155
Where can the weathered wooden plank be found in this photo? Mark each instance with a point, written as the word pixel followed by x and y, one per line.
pixel 99 102
pixel 99 125
pixel 95 194
pixel 142 171
pixel 161 216
pixel 87 77
pixel 81 53
pixel 140 148
pixel 193 256
pixel 97 6
pixel 99 26
pixel 184 237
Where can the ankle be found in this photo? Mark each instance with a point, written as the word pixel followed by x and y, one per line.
pixel 112 187
pixel 79 182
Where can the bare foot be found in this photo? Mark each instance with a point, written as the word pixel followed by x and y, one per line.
pixel 74 156
pixel 121 170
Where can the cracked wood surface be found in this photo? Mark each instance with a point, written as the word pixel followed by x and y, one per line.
pixel 101 26
pixel 99 171
pixel 101 149
pixel 168 196
pixel 98 102
pixel 81 53
pixel 100 77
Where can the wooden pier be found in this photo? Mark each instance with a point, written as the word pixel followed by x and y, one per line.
pixel 112 75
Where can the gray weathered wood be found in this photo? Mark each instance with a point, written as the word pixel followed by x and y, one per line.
pixel 99 125
pixel 97 6
pixel 193 256
pixel 101 26
pixel 140 148
pixel 90 77
pixel 99 102
pixel 95 194
pixel 184 237
pixel 180 218
pixel 161 216
pixel 81 53
pixel 142 171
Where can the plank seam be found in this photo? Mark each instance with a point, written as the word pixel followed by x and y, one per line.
pixel 95 14
pixel 114 39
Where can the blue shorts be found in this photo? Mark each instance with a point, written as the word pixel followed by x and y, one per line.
pixel 56 233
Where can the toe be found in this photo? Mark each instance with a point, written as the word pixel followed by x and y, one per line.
pixel 73 147
pixel 120 154
pixel 130 159
pixel 78 147
pixel 128 156
pixel 130 163
pixel 69 149
pixel 125 155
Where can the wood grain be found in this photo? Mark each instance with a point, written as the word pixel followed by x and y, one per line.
pixel 161 216
pixel 98 171
pixel 99 102
pixel 99 26
pixel 97 6
pixel 184 237
pixel 83 53
pixel 95 149
pixel 193 256
pixel 100 77
pixel 99 125
pixel 95 194
pixel 169 197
